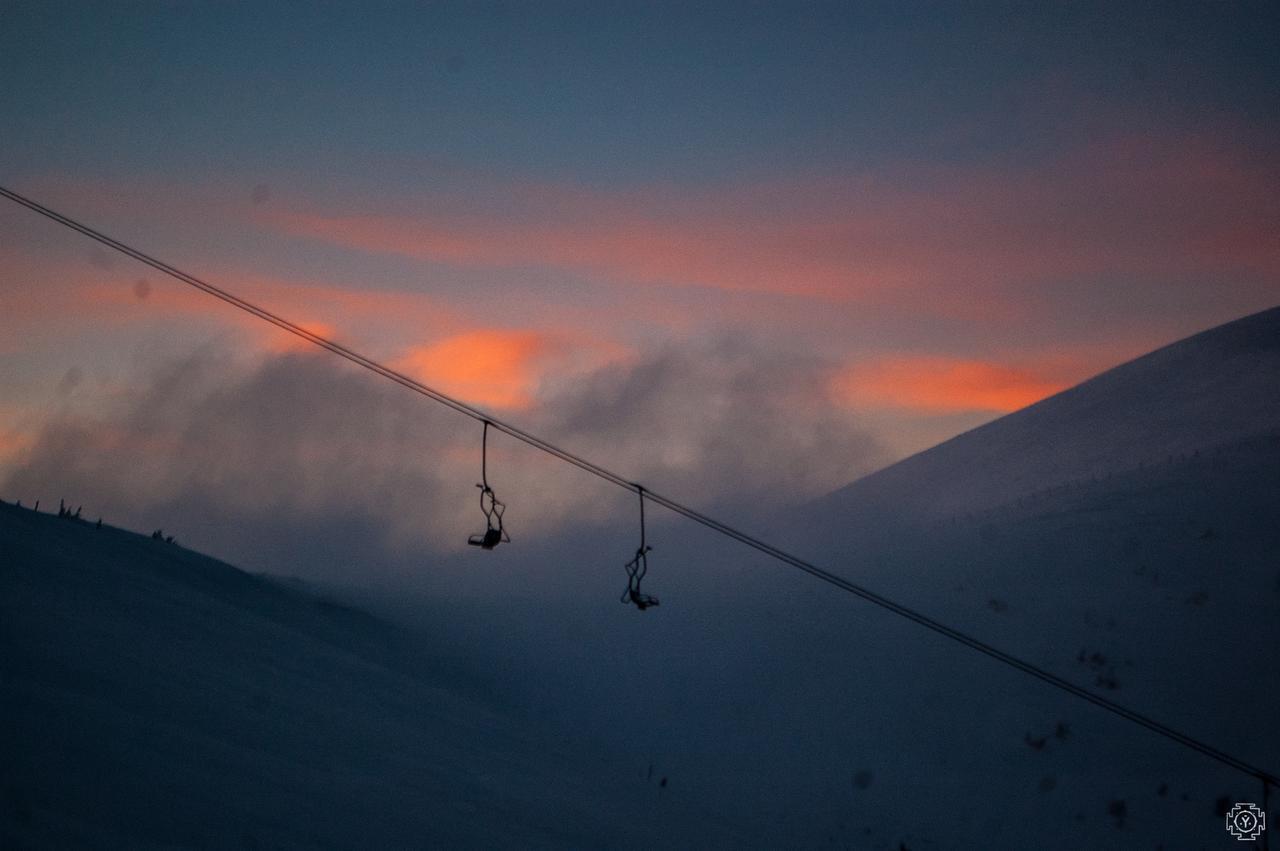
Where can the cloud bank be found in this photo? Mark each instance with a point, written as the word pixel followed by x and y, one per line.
pixel 300 464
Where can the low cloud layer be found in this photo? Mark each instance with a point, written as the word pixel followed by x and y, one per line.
pixel 304 465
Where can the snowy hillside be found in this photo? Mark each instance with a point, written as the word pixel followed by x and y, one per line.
pixel 1141 504
pixel 154 697
pixel 1208 390
pixel 1124 534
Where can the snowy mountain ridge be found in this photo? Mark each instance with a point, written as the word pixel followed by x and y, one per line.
pixel 1208 390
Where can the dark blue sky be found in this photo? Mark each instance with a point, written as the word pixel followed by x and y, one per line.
pixel 602 93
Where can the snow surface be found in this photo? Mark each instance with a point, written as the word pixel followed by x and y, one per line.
pixel 153 697
pixel 1208 390
pixel 1125 534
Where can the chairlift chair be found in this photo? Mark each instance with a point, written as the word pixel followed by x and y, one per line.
pixel 493 533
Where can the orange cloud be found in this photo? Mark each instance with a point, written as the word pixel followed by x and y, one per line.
pixel 618 245
pixel 284 296
pixel 37 291
pixel 279 341
pixel 499 368
pixel 972 243
pixel 940 385
pixel 490 367
pixel 13 441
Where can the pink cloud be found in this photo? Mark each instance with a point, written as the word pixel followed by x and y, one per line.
pixel 12 442
pixel 503 367
pixel 940 385
pixel 926 259
pixel 491 367
pixel 948 241
pixel 39 290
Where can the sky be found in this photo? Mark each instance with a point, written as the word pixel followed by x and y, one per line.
pixel 738 252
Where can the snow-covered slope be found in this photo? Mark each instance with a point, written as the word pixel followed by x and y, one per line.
pixel 1139 510
pixel 1205 391
pixel 1125 534
pixel 153 697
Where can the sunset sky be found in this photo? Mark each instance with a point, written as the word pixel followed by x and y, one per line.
pixel 920 215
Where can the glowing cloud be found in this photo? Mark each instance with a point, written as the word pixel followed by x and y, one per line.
pixel 279 341
pixel 492 367
pixel 973 243
pixel 940 385
pixel 12 442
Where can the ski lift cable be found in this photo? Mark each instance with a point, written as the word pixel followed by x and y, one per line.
pixel 718 526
